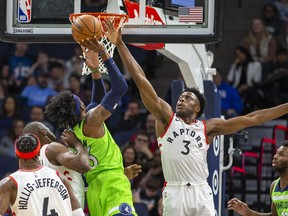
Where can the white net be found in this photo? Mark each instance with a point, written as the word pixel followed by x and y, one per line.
pixel 109 49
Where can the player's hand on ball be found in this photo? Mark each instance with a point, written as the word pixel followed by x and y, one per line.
pixel 91 58
pixel 93 45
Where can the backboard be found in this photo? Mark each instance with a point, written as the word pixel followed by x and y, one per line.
pixel 150 21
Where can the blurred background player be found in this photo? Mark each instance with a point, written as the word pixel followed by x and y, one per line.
pixel 278 188
pixel 34 188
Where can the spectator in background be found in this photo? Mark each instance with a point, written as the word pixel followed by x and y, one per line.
pixel 275 26
pixel 75 63
pixel 261 45
pixel 155 172
pixel 276 82
pixel 244 73
pixel 130 157
pixel 3 93
pixel 37 115
pixel 282 42
pixel 41 64
pixel 38 94
pixel 131 119
pixel 151 132
pixel 58 78
pixel 9 112
pixel 145 155
pixel 149 128
pixel 7 142
pixel 6 79
pixel 282 7
pixel 20 64
pixel 231 103
pixel 160 207
pixel 76 88
pixel 150 195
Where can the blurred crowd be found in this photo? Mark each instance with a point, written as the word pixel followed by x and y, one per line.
pixel 257 78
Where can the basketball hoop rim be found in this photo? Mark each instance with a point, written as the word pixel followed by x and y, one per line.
pixel 102 16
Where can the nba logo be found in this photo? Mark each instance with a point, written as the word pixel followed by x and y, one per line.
pixel 24 11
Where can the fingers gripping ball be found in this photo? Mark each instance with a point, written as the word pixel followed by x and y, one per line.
pixel 86 26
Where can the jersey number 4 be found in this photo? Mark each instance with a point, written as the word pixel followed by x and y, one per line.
pixel 45 208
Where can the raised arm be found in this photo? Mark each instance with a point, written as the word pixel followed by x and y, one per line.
pixel 98 88
pixel 158 107
pixel 119 86
pixel 7 194
pixel 221 127
pixel 58 154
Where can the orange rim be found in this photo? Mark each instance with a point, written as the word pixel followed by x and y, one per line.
pixel 102 16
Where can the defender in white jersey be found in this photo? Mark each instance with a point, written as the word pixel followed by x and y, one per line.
pixel 183 140
pixel 34 189
pixel 70 164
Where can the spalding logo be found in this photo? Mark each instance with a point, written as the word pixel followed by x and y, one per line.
pixel 80 28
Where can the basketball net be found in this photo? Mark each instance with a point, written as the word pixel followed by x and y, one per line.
pixel 110 47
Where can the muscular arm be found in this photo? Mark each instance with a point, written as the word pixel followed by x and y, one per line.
pixel 158 107
pixel 98 88
pixel 93 126
pixel 7 194
pixel 219 126
pixel 59 154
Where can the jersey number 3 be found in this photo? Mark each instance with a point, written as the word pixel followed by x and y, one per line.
pixel 45 209
pixel 186 146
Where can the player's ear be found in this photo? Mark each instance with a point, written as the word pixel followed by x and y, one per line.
pixel 197 109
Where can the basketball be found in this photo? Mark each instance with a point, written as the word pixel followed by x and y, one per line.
pixel 86 26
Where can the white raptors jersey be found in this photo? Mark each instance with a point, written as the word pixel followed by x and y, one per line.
pixel 40 192
pixel 184 152
pixel 74 177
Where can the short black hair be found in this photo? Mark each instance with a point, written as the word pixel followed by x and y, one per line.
pixel 200 97
pixel 61 109
pixel 26 143
pixel 285 143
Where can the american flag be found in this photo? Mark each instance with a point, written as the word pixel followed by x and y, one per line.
pixel 191 14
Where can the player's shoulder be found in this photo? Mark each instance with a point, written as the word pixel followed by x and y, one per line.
pixel 55 148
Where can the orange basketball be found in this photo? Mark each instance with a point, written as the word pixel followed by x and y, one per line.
pixel 86 26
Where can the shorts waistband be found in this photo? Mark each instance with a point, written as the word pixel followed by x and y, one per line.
pixel 184 183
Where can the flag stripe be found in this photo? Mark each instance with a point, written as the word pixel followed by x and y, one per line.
pixel 191 14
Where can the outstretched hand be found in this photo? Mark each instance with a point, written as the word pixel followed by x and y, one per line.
pixel 91 58
pixel 132 171
pixel 92 44
pixel 238 206
pixel 112 34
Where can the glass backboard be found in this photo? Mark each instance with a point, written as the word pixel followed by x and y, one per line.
pixel 150 21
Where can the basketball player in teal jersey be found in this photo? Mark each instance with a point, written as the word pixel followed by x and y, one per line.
pixel 183 140
pixel 278 188
pixel 109 190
